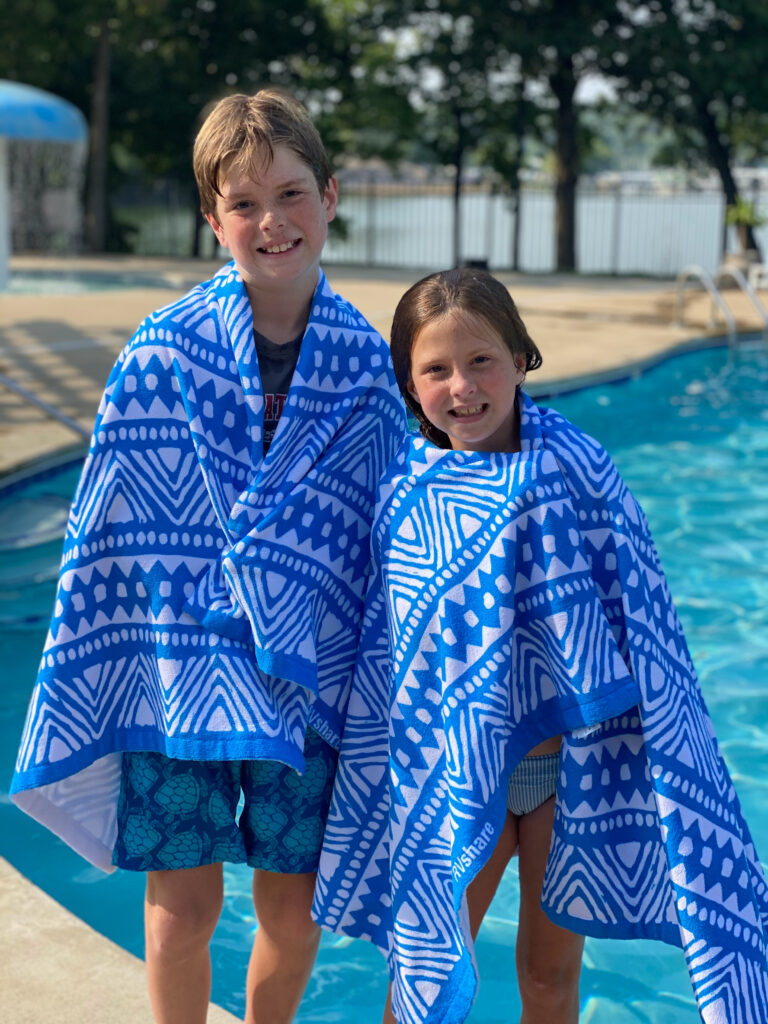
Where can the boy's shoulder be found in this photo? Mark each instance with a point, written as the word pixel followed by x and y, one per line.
pixel 333 309
pixel 195 304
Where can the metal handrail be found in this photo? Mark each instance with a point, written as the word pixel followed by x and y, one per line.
pixel 51 410
pixel 699 273
pixel 738 277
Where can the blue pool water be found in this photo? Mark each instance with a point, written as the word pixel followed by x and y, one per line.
pixel 691 438
pixel 74 282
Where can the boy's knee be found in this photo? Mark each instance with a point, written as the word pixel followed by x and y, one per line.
pixel 283 907
pixel 180 916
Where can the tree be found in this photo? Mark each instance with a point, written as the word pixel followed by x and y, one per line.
pixel 470 63
pixel 452 88
pixel 699 66
pixel 145 69
pixel 561 43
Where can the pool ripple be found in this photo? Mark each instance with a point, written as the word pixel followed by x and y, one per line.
pixel 27 522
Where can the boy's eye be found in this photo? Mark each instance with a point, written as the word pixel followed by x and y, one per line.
pixel 482 359
pixel 292 192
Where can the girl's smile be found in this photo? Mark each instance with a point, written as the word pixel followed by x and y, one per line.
pixel 465 379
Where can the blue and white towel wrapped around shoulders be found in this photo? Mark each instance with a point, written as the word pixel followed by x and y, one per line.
pixel 210 598
pixel 517 596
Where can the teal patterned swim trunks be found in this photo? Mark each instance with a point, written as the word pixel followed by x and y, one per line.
pixel 182 814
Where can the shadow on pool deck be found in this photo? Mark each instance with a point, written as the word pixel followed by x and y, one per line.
pixel 61 349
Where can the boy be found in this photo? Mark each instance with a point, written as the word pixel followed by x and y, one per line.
pixel 211 590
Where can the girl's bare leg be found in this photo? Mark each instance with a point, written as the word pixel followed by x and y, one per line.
pixel 181 909
pixel 548 957
pixel 481 891
pixel 285 947
pixel 483 886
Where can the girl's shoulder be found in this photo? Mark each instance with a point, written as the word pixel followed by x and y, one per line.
pixel 565 438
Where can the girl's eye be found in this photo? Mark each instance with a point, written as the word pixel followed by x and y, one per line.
pixel 291 193
pixel 482 359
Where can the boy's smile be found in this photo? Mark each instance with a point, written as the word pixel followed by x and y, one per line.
pixel 465 380
pixel 275 224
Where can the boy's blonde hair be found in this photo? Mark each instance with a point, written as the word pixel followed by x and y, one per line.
pixel 240 133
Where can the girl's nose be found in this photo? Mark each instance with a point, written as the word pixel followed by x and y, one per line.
pixel 461 384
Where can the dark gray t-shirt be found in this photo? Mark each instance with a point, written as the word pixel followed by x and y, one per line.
pixel 276 366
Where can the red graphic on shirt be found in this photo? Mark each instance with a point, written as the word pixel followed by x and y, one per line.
pixel 273 406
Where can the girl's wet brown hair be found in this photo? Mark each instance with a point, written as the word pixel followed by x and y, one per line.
pixel 465 290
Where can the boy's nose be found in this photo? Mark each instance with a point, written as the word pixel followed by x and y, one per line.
pixel 271 217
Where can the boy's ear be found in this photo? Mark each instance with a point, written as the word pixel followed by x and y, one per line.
pixel 217 229
pixel 331 198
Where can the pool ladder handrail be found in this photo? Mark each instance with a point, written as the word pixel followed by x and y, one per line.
pixel 739 278
pixel 711 285
pixel 694 272
pixel 51 410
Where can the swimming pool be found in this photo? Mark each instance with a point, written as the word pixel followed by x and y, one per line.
pixel 691 438
pixel 75 282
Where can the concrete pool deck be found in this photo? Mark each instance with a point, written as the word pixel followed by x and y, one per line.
pixel 61 348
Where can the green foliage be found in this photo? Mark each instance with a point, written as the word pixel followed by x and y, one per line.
pixel 170 59
pixel 697 66
pixel 743 214
pixel 448 81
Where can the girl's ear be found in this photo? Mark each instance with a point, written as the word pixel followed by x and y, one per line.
pixel 412 390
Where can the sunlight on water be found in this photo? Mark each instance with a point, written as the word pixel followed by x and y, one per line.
pixel 691 439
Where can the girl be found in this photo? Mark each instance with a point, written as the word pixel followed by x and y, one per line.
pixel 461 353
pixel 517 607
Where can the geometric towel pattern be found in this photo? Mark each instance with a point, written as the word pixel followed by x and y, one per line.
pixel 210 598
pixel 518 596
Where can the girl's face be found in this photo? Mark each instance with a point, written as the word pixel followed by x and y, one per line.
pixel 465 379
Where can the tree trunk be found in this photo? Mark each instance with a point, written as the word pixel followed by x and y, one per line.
pixel 719 152
pixel 514 178
pixel 96 198
pixel 459 164
pixel 563 85
pixel 198 222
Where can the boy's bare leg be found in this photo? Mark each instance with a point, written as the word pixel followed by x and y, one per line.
pixel 481 890
pixel 548 957
pixel 181 909
pixel 285 947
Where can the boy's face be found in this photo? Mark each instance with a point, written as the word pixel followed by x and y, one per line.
pixel 275 224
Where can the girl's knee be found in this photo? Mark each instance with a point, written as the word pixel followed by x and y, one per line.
pixel 550 985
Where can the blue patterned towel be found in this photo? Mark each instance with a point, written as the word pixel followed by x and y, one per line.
pixel 519 596
pixel 210 598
